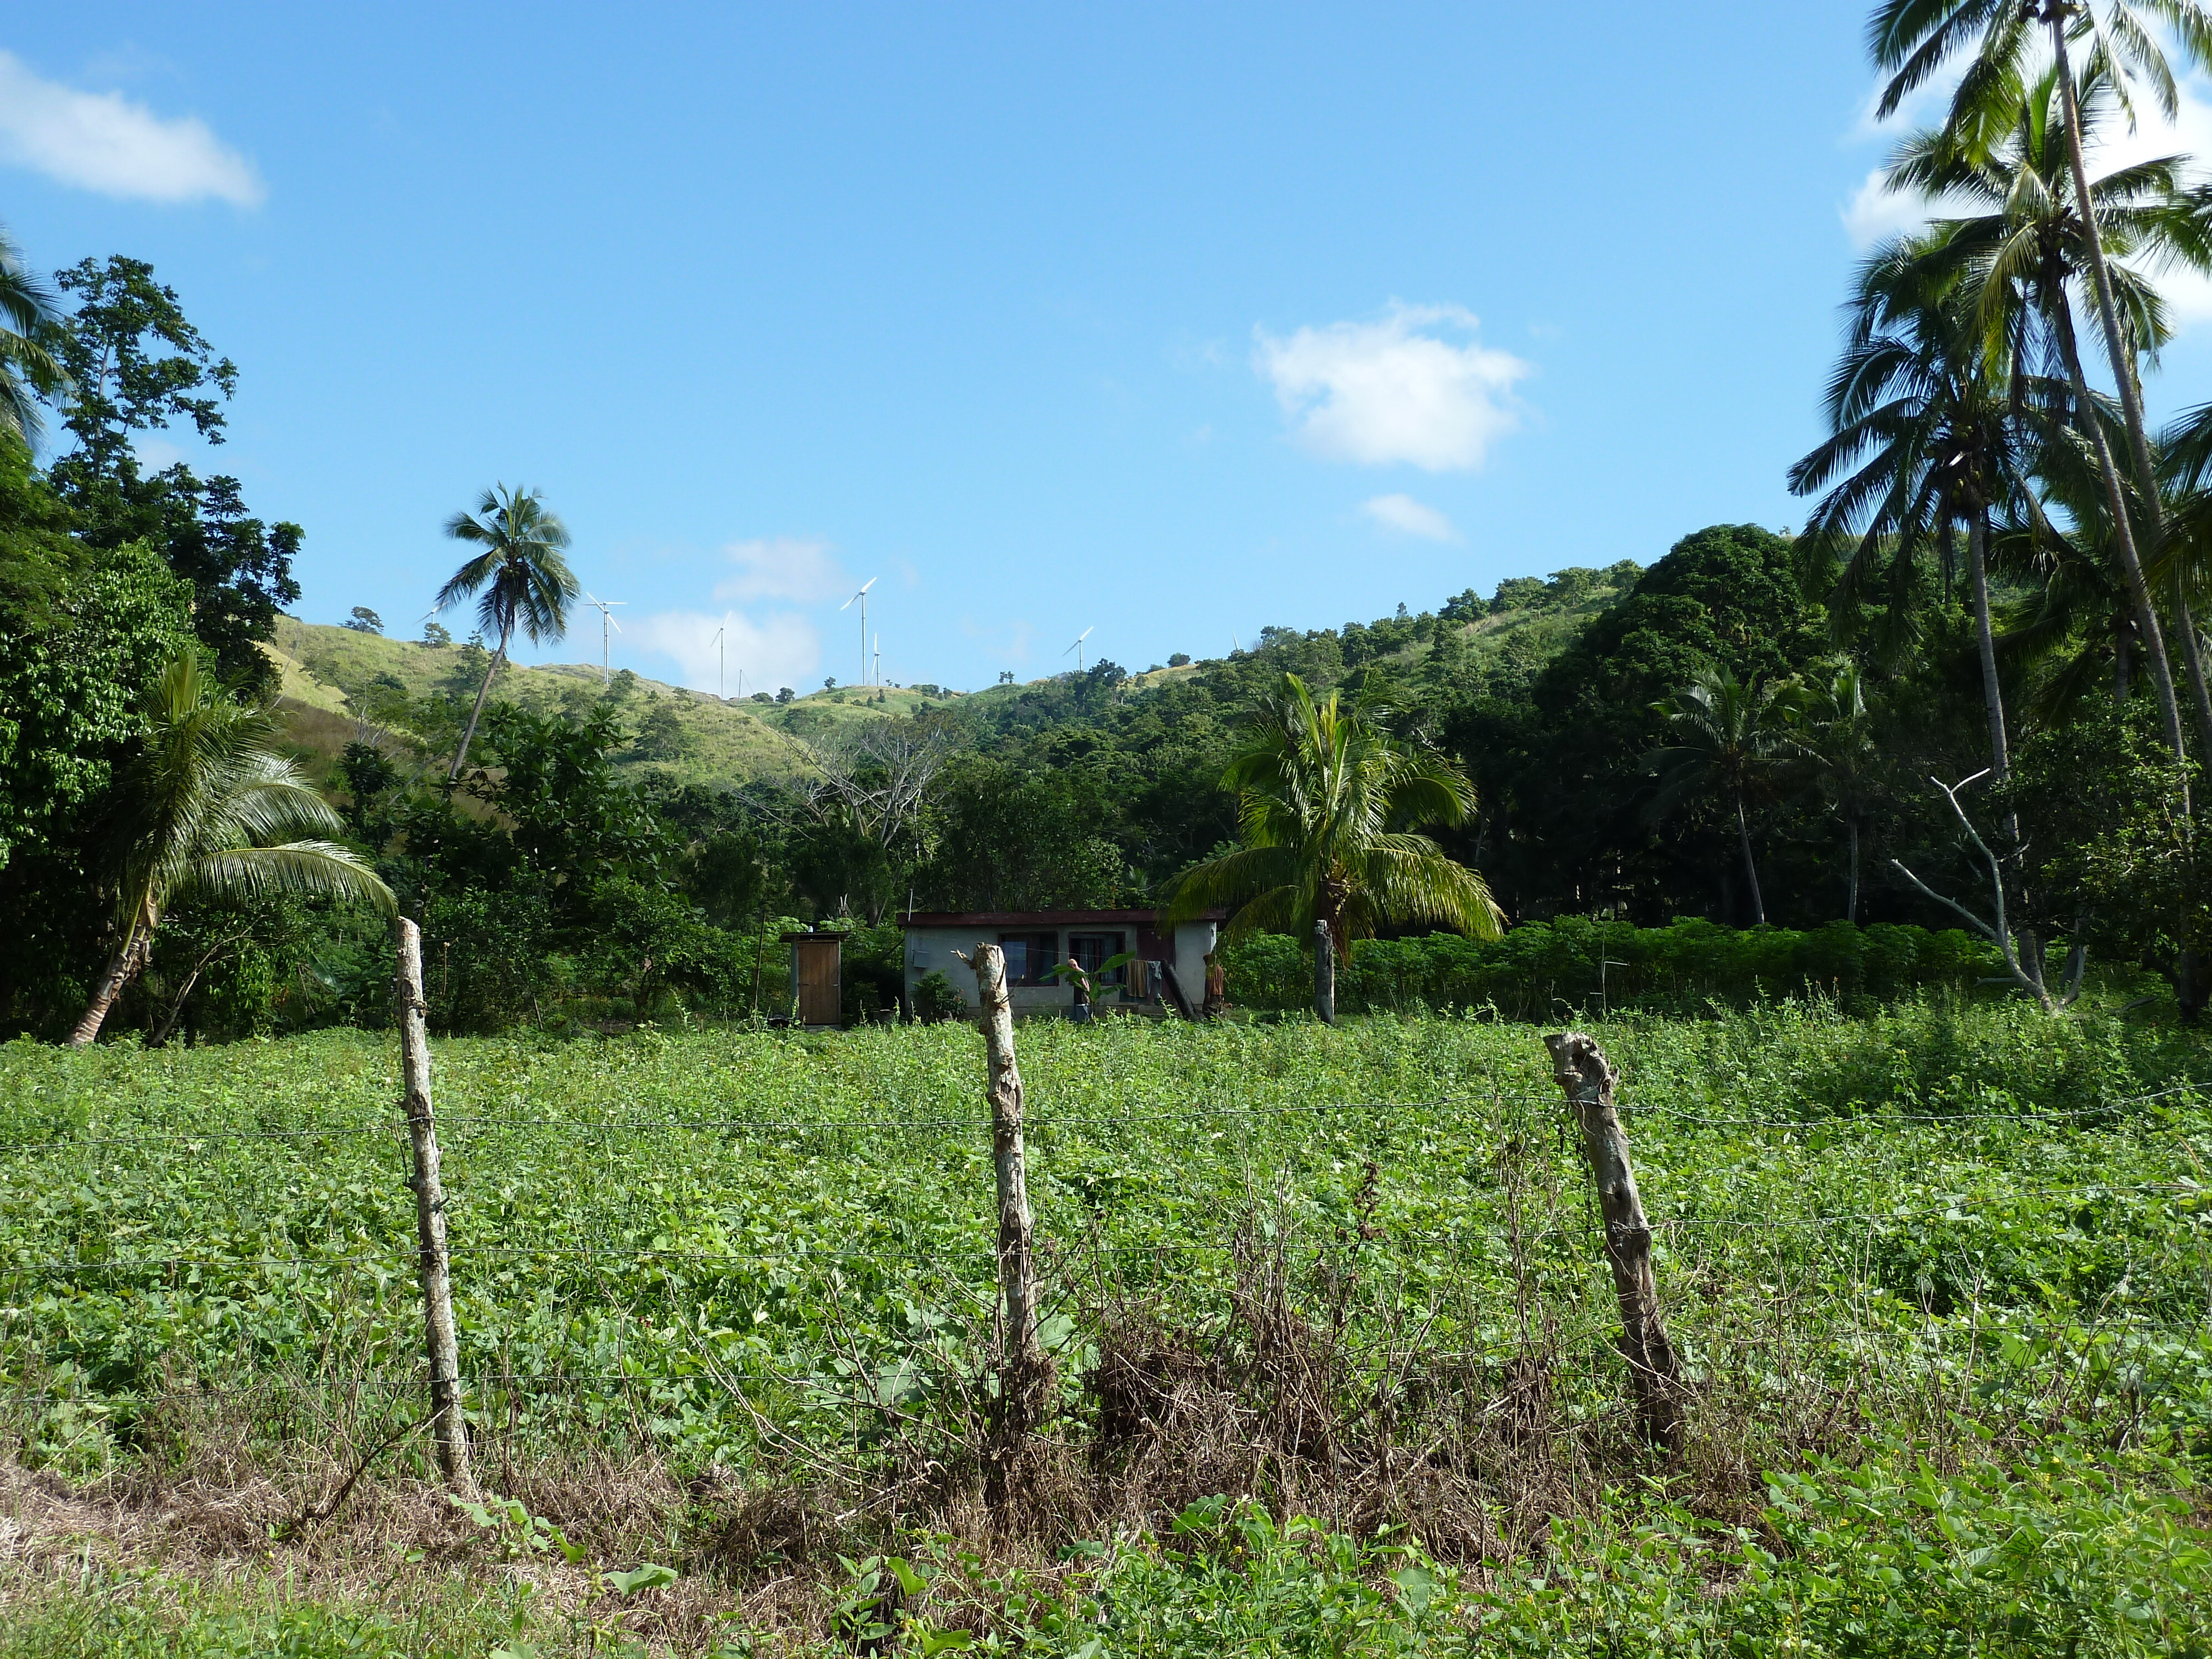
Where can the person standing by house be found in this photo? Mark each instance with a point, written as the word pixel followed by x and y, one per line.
pixel 1080 1013
pixel 1217 987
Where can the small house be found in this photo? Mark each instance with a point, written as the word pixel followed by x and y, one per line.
pixel 1167 975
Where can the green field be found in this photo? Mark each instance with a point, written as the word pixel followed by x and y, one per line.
pixel 725 1301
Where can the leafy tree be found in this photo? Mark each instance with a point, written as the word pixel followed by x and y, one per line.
pixel 1731 737
pixel 205 801
pixel 1330 803
pixel 521 574
pixel 83 627
pixel 662 735
pixel 133 364
pixel 28 370
pixel 363 621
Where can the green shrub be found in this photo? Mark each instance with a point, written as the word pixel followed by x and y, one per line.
pixel 1576 962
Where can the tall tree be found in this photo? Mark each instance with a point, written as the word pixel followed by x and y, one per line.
pixel 1924 442
pixel 28 370
pixel 2026 248
pixel 522 575
pixel 1330 806
pixel 134 363
pixel 1731 737
pixel 1914 39
pixel 209 809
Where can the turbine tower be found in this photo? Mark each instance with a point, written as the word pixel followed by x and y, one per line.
pixel 862 596
pixel 722 660
pixel 607 623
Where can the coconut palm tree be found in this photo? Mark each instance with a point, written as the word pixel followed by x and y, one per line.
pixel 1329 805
pixel 1914 38
pixel 2025 249
pixel 28 370
pixel 1732 737
pixel 1925 441
pixel 210 811
pixel 523 576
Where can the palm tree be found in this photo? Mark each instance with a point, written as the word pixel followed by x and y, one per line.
pixel 1840 758
pixel 1924 441
pixel 27 369
pixel 1914 38
pixel 207 806
pixel 524 577
pixel 1329 802
pixel 1732 736
pixel 2025 249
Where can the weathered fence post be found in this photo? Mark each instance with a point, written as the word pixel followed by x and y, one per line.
pixel 448 1427
pixel 1324 974
pixel 1583 1072
pixel 1022 1371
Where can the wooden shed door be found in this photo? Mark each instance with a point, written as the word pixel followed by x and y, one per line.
pixel 820 996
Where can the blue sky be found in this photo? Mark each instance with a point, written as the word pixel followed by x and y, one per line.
pixel 1169 322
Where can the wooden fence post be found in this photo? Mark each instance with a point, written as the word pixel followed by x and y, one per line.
pixel 1024 1372
pixel 1587 1080
pixel 1324 974
pixel 448 1427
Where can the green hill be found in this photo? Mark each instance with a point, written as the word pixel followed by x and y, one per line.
pixel 339 686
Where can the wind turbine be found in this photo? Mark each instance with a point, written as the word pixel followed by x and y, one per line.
pixel 720 660
pixel 862 596
pixel 606 610
pixel 879 660
pixel 1077 648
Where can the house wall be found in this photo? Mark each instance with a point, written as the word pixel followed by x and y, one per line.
pixel 930 950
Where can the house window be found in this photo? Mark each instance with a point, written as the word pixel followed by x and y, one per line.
pixel 1030 957
pixel 1089 949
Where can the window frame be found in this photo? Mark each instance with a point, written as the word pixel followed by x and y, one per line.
pixel 1033 973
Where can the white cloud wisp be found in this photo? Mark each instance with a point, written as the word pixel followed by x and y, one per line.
pixel 799 568
pixel 101 140
pixel 775 651
pixel 1396 389
pixel 1410 517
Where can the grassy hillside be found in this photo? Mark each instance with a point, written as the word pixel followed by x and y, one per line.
pixel 339 685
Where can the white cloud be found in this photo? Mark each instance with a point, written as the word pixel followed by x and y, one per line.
pixel 101 140
pixel 796 567
pixel 778 650
pixel 1411 518
pixel 1396 389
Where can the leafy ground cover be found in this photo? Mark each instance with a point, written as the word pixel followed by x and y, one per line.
pixel 1331 1333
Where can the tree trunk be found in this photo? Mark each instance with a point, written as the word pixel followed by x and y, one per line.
pixel 2122 359
pixel 2116 502
pixel 1324 974
pixel 475 713
pixel 129 960
pixel 1750 865
pixel 1586 1078
pixel 1851 880
pixel 1978 543
pixel 121 968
